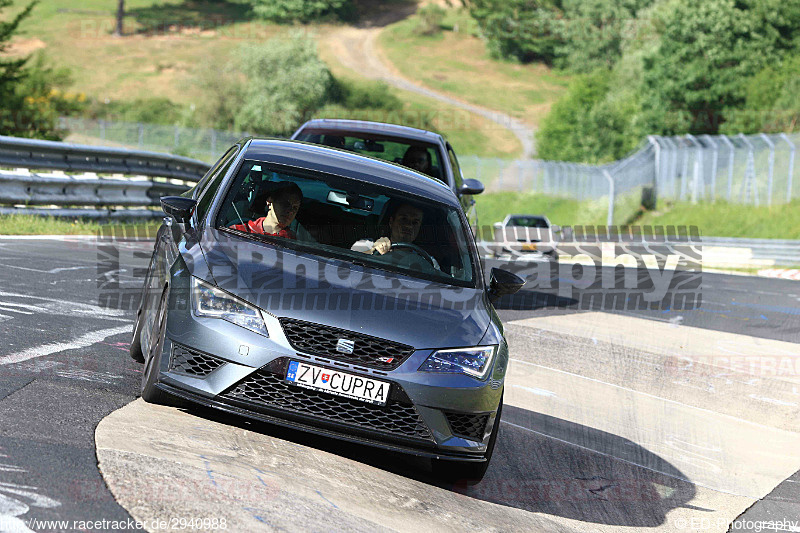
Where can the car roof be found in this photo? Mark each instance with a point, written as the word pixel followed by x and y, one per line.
pixel 350 165
pixel 363 126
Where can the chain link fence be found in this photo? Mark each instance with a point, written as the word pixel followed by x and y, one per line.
pixel 203 144
pixel 744 169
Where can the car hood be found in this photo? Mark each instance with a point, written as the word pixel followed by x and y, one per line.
pixel 292 284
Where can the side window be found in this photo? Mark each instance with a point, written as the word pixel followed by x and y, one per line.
pixel 456 168
pixel 212 184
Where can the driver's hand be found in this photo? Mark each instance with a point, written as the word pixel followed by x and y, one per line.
pixel 381 246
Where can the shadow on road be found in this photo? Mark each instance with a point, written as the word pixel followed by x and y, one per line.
pixel 541 464
pixel 548 465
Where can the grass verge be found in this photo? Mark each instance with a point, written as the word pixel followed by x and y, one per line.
pixel 730 220
pixel 45 225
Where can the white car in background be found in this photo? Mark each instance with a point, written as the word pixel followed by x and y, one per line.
pixel 529 236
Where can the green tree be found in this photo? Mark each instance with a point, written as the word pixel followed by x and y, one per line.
pixel 592 32
pixel 302 10
pixel 522 29
pixel 286 82
pixel 11 72
pixel 707 51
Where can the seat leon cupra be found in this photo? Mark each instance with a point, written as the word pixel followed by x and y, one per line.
pixel 324 290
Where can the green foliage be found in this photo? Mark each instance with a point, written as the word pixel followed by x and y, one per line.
pixel 286 83
pixel 683 67
pixel 303 10
pixel 31 96
pixel 772 101
pixel 580 35
pixel 363 95
pixel 150 110
pixel 590 123
pixel 591 33
pixel 525 30
pixel 706 50
pixel 430 20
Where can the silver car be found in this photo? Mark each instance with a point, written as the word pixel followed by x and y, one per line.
pixel 331 292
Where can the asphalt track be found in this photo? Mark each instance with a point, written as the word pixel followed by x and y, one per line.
pixel 678 419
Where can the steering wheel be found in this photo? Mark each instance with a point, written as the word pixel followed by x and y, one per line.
pixel 414 248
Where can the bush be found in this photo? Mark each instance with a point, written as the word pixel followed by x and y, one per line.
pixel 303 10
pixel 147 110
pixel 524 30
pixel 286 82
pixel 363 95
pixel 430 20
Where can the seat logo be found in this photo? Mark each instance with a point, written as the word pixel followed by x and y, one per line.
pixel 345 346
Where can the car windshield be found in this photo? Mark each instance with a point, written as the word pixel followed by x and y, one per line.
pixel 420 156
pixel 349 220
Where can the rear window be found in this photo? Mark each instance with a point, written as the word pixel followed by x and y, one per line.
pixel 392 149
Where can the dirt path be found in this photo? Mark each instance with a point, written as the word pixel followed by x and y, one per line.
pixel 357 49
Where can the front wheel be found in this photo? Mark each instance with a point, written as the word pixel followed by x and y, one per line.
pixel 471 472
pixel 150 392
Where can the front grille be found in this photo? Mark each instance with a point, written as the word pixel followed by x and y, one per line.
pixel 271 390
pixel 467 425
pixel 187 361
pixel 321 340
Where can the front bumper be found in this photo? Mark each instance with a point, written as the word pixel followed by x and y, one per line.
pixel 241 372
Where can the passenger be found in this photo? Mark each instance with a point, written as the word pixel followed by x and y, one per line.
pixel 283 203
pixel 418 158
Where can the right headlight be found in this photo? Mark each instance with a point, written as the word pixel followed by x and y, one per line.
pixel 209 301
pixel 475 361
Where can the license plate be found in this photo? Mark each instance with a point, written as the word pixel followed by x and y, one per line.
pixel 529 247
pixel 338 383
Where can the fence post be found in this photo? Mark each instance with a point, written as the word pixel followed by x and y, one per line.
pixel 610 218
pixel 791 168
pixel 698 164
pixel 685 170
pixel 749 171
pixel 652 139
pixel 715 148
pixel 771 167
pixel 731 155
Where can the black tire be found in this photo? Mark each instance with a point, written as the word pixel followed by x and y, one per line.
pixel 150 392
pixel 136 341
pixel 470 472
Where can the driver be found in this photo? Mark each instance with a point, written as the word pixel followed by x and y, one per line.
pixel 404 226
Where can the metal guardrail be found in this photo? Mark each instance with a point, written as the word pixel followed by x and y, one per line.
pixel 89 195
pixel 35 189
pixel 37 154
pixel 713 251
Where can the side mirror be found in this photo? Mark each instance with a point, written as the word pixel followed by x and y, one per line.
pixel 503 282
pixel 471 186
pixel 178 207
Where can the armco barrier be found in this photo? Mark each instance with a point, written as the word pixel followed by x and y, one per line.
pixel 716 252
pixel 37 154
pixel 89 195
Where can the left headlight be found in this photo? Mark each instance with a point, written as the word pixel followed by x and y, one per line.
pixel 475 362
pixel 212 302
